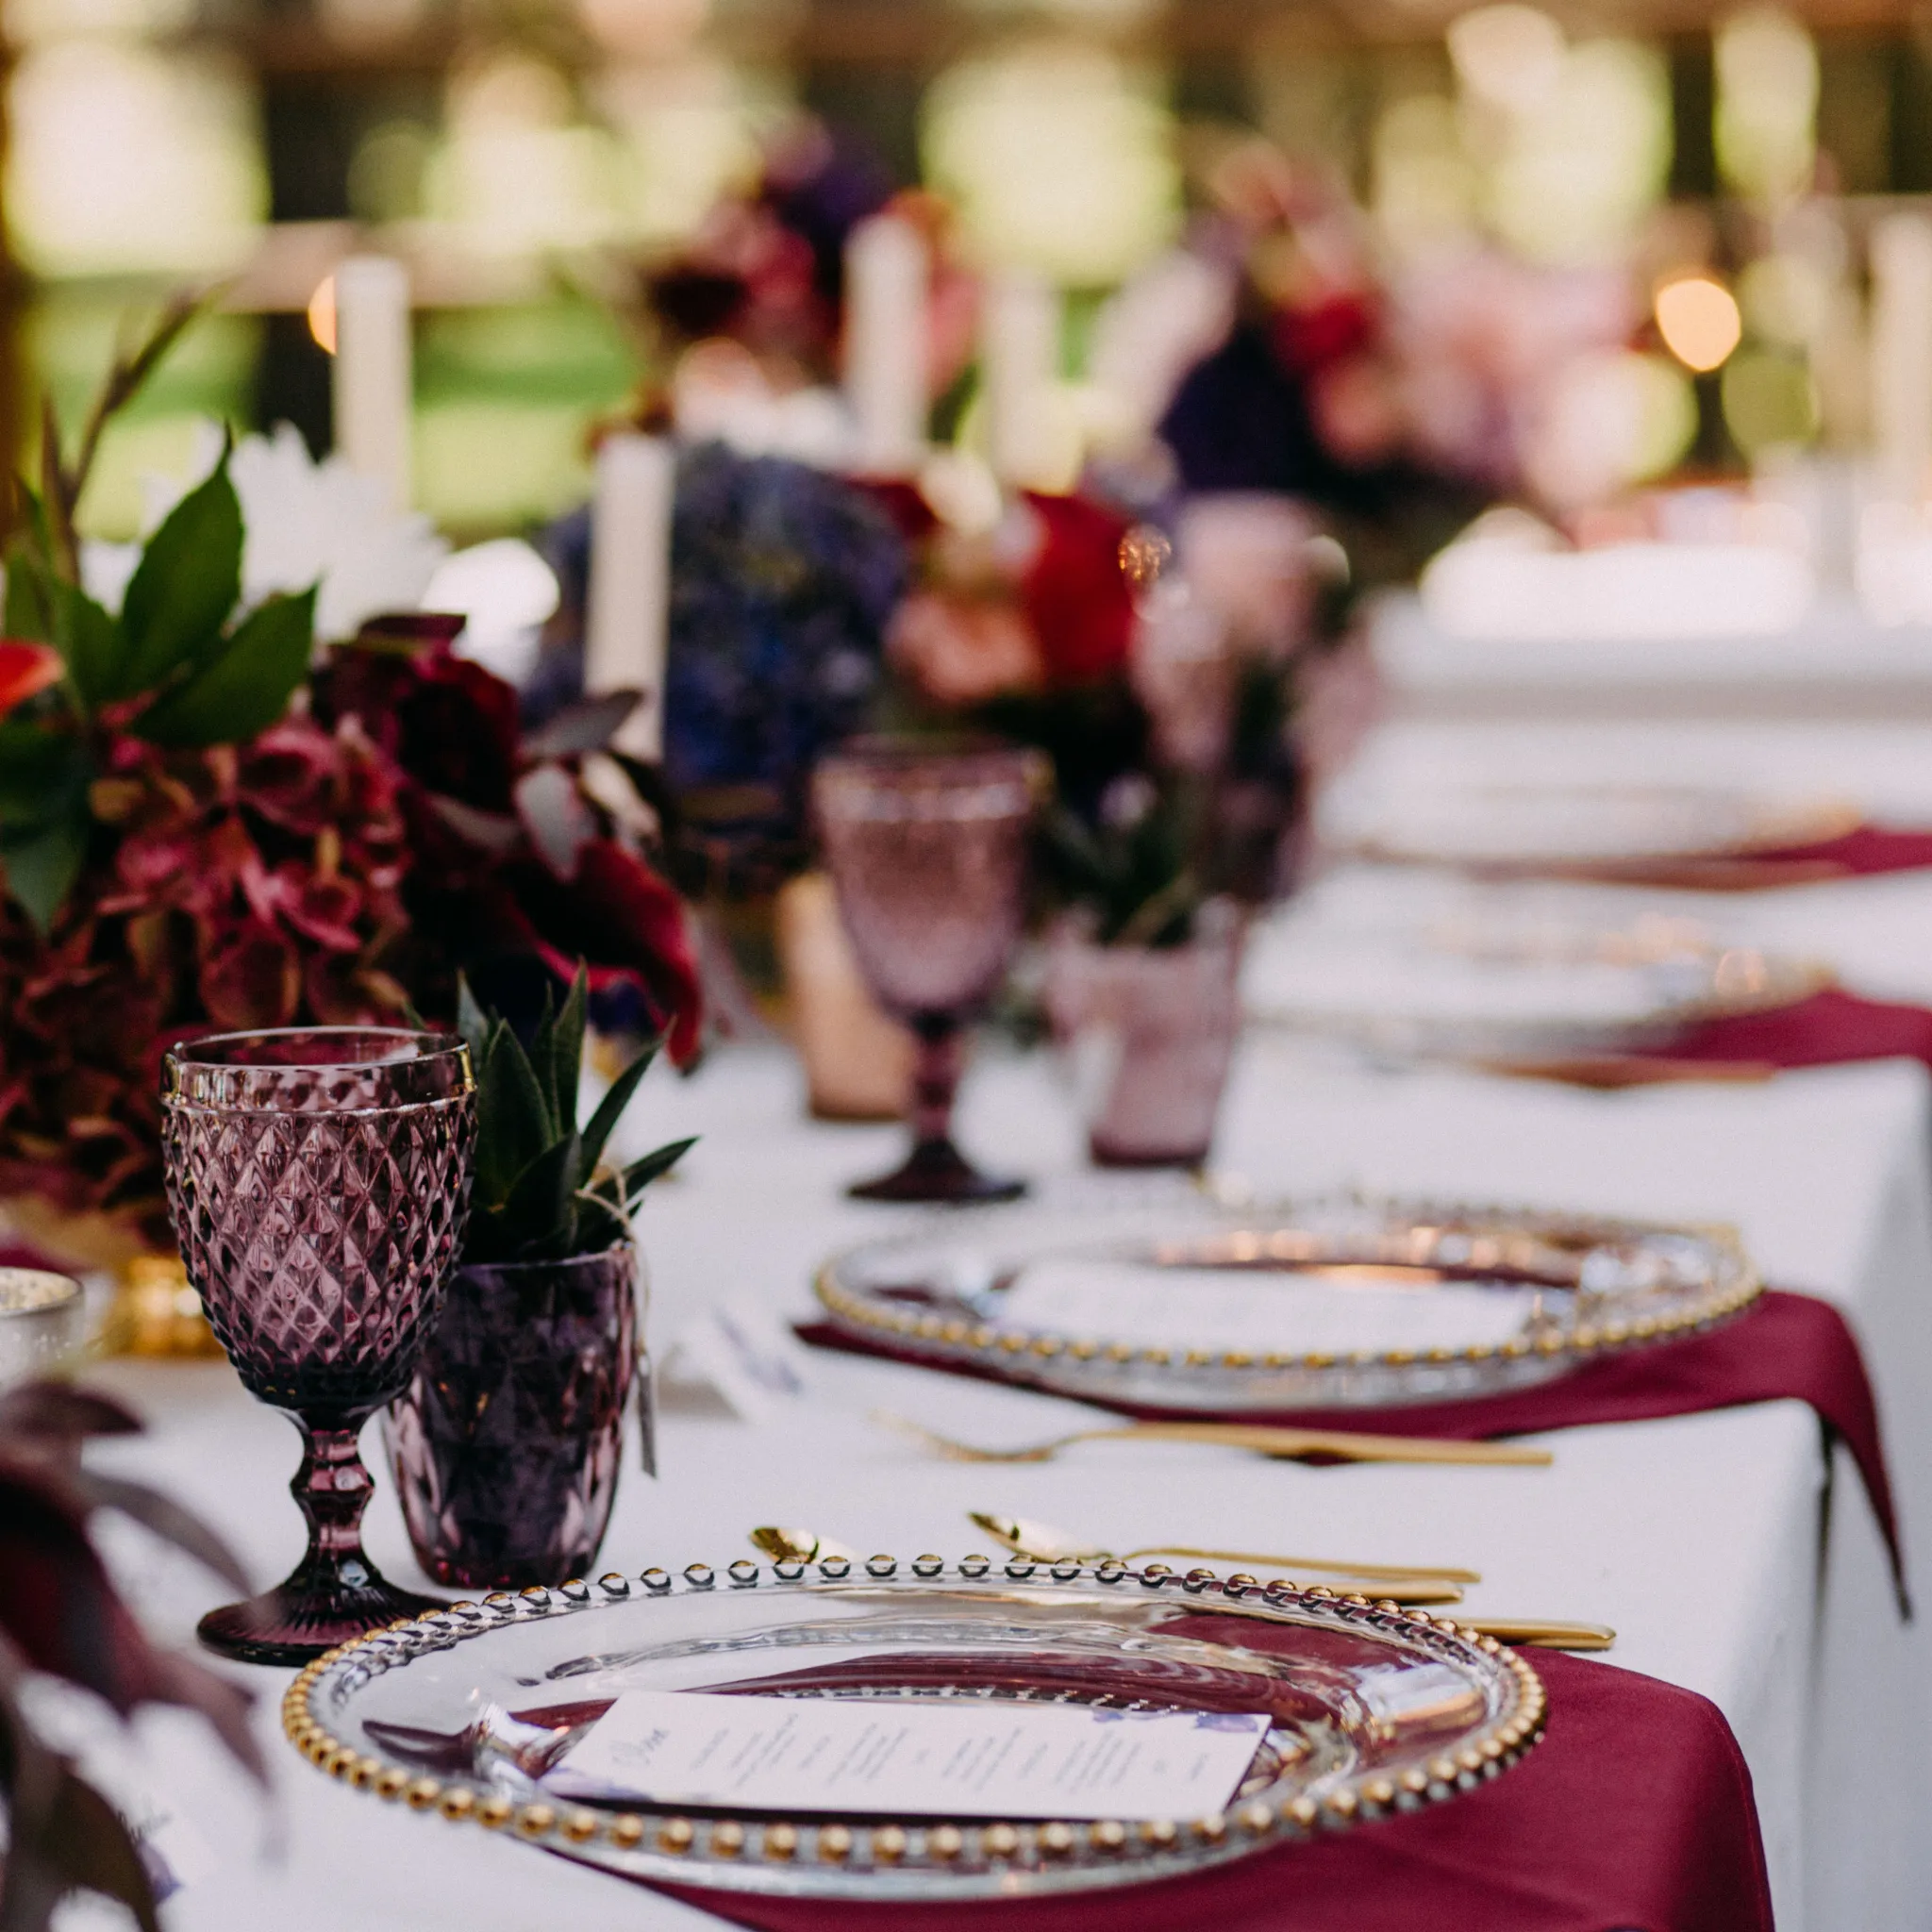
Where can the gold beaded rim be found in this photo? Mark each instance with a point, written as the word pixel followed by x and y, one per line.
pixel 1487 1230
pixel 1096 1847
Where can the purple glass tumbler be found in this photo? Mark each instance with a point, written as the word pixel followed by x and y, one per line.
pixel 318 1180
pixel 927 845
pixel 507 1441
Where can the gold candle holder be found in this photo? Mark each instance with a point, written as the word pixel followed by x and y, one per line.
pixel 156 1311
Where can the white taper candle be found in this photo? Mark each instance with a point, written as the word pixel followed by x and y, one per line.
pixel 373 384
pixel 1019 363
pixel 1902 354
pixel 629 597
pixel 886 271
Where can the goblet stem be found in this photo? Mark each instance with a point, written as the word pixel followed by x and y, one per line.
pixel 936 1170
pixel 335 1592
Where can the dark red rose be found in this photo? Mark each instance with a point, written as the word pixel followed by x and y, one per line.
pixel 1326 331
pixel 250 977
pixel 625 922
pixel 1075 594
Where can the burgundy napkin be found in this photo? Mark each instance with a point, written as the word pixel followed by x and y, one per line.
pixel 1634 1812
pixel 1782 1345
pixel 1825 1029
pixel 1865 849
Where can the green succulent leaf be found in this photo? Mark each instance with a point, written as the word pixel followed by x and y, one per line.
pixel 543 1200
pixel 29 609
pixel 558 1055
pixel 622 1188
pixel 246 685
pixel 514 1121
pixel 471 1022
pixel 610 1109
pixel 182 590
pixel 42 771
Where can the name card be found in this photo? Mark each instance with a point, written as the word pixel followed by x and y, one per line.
pixel 977 1757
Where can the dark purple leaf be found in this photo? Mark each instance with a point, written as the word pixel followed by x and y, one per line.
pixel 169 1521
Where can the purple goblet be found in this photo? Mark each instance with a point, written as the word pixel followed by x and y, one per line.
pixel 927 849
pixel 318 1180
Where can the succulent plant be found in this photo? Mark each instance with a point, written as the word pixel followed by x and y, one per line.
pixel 541 1192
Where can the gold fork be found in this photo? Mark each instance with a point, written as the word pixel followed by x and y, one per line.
pixel 1046 1544
pixel 1341 1445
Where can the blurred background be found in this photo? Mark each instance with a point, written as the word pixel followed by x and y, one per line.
pixel 1569 253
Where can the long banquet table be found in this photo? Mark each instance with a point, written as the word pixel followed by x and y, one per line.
pixel 1729 1554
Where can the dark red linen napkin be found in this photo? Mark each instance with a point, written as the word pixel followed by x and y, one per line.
pixel 1634 1812
pixel 1865 849
pixel 1783 1345
pixel 1827 1028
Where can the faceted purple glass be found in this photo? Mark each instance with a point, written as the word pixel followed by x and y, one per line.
pixel 318 1180
pixel 927 849
pixel 507 1441
pixel 1149 1032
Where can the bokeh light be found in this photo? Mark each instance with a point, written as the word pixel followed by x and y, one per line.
pixel 1767 104
pixel 1699 321
pixel 1060 160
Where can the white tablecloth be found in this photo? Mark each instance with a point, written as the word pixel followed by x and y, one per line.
pixel 1727 1553
pixel 1699 1538
pixel 1836 664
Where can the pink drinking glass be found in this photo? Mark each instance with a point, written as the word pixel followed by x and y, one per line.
pixel 927 849
pixel 318 1180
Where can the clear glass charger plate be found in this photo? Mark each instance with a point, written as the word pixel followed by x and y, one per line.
pixel 467 1714
pixel 1502 990
pixel 1171 1298
pixel 1539 826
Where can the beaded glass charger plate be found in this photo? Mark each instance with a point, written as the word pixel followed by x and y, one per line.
pixel 1181 1301
pixel 468 1714
pixel 1533 827
pixel 1504 989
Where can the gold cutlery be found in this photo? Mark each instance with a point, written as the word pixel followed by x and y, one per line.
pixel 1342 1445
pixel 1046 1544
pixel 794 1545
pixel 798 1545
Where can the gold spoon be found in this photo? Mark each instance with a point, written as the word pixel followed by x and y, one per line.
pixel 1342 1445
pixel 1046 1544
pixel 797 1546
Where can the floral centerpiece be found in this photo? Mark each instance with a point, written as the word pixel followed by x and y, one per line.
pixel 200 827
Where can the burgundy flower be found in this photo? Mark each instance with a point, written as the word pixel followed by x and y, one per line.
pixel 288 775
pixel 1327 330
pixel 617 914
pixel 250 977
pixel 1075 595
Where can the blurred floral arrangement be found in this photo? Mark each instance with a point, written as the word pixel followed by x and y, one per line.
pixel 742 324
pixel 783 579
pixel 197 827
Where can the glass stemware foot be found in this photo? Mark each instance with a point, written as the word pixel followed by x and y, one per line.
pixel 936 1171
pixel 335 1592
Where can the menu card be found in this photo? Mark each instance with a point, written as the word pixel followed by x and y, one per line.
pixel 1278 1313
pixel 977 1757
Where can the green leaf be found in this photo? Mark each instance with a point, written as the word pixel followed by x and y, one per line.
pixel 610 1109
pixel 86 637
pixel 39 863
pixel 624 1188
pixel 539 1210
pixel 471 1022
pixel 29 609
pixel 558 1055
pixel 513 1120
pixel 41 773
pixel 183 589
pixel 246 687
